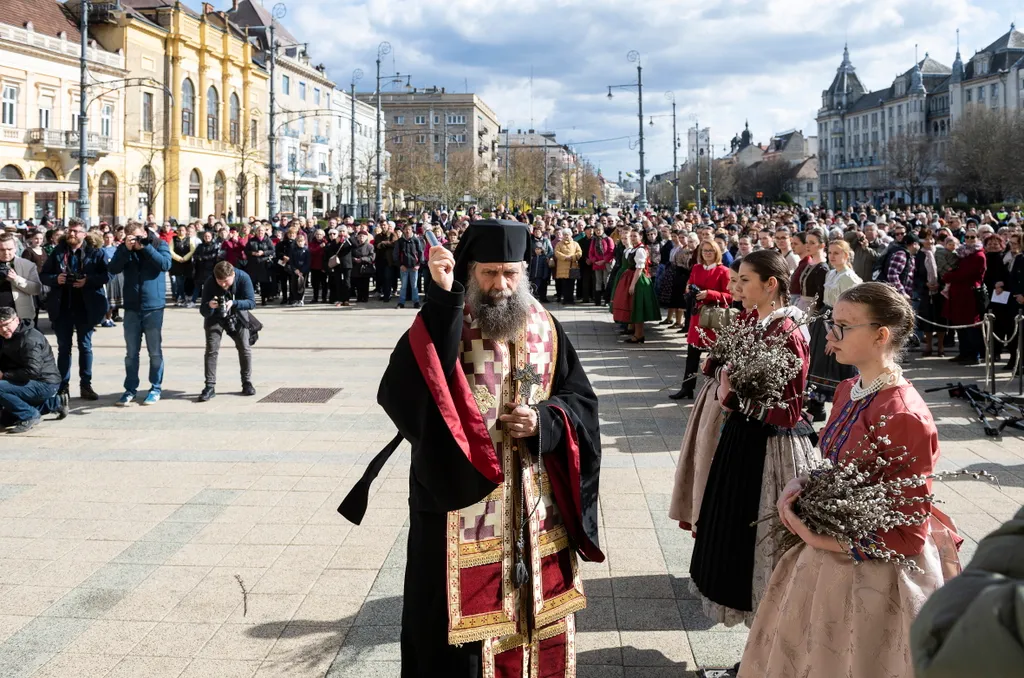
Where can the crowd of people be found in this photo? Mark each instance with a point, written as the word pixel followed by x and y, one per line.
pixel 847 291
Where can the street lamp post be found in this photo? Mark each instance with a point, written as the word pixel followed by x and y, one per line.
pixel 700 153
pixel 671 96
pixel 83 118
pixel 711 175
pixel 634 57
pixel 383 49
pixel 356 75
pixel 508 188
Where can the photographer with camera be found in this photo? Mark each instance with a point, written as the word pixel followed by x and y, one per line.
pixel 76 273
pixel 228 297
pixel 144 259
pixel 19 280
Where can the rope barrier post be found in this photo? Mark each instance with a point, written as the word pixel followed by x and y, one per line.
pixel 1019 358
pixel 990 352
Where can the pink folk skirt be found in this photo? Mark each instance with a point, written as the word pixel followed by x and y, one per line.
pixel 824 614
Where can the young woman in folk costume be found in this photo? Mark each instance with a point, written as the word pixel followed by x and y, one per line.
pixel 760 450
pixel 824 613
pixel 699 443
pixel 812 285
pixel 711 279
pixel 634 302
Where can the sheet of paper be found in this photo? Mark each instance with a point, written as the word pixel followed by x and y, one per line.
pixel 1000 297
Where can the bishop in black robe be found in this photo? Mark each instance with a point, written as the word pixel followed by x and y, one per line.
pixel 496 523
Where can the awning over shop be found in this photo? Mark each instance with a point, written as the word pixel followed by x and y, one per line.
pixel 42 186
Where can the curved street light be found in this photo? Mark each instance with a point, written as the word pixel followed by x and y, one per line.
pixel 633 56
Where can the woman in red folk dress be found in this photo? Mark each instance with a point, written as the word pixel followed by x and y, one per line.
pixel 711 280
pixel 824 613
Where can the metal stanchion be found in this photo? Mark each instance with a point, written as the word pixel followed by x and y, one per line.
pixel 1019 361
pixel 990 351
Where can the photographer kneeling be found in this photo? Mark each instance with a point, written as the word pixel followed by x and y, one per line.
pixel 29 379
pixel 228 298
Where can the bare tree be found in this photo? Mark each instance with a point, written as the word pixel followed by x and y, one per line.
pixel 911 162
pixel 982 156
pixel 248 165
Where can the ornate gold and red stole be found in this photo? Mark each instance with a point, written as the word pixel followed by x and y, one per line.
pixel 529 629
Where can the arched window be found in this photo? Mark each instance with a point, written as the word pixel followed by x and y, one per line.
pixel 195 194
pixel 107 207
pixel 219 194
pixel 11 173
pixel 46 201
pixel 212 114
pixel 188 107
pixel 236 114
pixel 147 187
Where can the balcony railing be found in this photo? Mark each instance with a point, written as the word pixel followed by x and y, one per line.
pixel 293 133
pixel 320 139
pixel 67 140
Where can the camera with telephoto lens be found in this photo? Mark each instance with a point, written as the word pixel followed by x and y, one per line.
pixel 5 268
pixel 144 239
pixel 690 298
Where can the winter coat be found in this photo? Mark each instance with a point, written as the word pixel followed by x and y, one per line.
pixel 259 267
pixel 205 257
pixel 962 308
pixel 716 282
pixel 27 356
pixel 145 275
pixel 567 257
pixel 89 303
pixel 363 257
pixel 540 264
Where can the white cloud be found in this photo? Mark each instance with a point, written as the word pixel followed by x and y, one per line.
pixel 726 61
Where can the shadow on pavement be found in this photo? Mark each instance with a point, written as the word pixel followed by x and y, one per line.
pixel 641 603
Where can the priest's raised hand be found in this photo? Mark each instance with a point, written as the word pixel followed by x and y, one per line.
pixel 442 267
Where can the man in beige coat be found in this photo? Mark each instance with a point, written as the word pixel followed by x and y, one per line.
pixel 19 280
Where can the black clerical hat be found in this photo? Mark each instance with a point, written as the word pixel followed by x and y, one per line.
pixel 491 241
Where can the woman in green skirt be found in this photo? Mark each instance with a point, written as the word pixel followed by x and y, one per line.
pixel 635 301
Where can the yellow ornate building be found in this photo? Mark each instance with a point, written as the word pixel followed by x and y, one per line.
pixel 204 151
pixel 39 103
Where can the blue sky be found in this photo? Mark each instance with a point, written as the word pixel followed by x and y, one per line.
pixel 726 61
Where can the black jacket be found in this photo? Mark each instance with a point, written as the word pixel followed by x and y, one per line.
pixel 206 256
pixel 409 252
pixel 87 303
pixel 27 356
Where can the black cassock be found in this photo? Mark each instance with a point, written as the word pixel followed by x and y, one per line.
pixel 443 479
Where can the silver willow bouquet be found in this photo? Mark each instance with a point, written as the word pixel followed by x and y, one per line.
pixel 859 496
pixel 760 364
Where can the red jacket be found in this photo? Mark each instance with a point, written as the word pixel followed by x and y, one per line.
pixel 603 254
pixel 962 308
pixel 716 282
pixel 316 254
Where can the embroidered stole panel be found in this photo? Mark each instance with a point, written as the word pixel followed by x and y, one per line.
pixel 483 602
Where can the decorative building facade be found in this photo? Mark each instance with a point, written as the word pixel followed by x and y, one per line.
pixel 434 122
pixel 40 46
pixel 305 118
pixel 195 142
pixel 354 152
pixel 865 136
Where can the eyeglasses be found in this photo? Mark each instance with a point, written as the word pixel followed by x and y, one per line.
pixel 971 237
pixel 839 331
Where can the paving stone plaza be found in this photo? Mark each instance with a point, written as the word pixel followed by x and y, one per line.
pixel 202 540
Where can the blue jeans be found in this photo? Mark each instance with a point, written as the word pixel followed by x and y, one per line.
pixel 410 278
pixel 137 324
pixel 65 328
pixel 28 401
pixel 178 287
